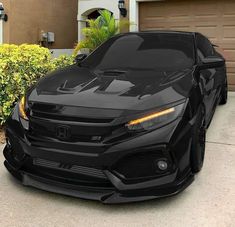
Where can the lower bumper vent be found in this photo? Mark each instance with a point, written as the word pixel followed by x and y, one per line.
pixel 92 172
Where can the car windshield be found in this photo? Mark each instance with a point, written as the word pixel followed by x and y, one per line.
pixel 146 51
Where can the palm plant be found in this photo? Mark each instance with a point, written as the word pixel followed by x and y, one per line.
pixel 98 31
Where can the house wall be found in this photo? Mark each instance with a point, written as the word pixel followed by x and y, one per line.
pixel 27 18
pixel 6 27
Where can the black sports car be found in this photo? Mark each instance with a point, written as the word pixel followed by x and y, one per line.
pixel 126 123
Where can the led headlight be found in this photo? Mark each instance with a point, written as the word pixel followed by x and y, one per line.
pixel 22 108
pixel 156 119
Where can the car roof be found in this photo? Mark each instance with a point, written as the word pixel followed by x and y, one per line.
pixel 162 32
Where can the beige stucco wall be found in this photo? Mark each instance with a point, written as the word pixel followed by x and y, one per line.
pixel 28 17
pixel 6 27
pixel 125 19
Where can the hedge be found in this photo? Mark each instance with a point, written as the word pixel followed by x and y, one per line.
pixel 21 67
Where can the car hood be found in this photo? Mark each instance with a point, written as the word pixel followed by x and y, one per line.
pixel 122 90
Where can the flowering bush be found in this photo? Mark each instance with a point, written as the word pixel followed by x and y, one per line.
pixel 20 67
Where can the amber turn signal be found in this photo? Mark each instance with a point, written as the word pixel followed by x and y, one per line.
pixel 22 112
pixel 151 116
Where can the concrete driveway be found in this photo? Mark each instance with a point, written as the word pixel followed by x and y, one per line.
pixel 209 201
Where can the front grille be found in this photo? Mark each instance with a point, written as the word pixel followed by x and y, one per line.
pixel 79 132
pixel 77 128
pixel 43 128
pixel 70 113
pixel 87 171
pixel 84 125
pixel 46 118
pixel 52 116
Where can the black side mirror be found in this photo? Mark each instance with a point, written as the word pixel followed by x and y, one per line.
pixel 80 57
pixel 212 62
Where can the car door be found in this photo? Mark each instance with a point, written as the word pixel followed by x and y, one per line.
pixel 210 78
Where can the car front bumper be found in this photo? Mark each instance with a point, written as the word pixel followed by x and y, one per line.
pixel 108 175
pixel 110 196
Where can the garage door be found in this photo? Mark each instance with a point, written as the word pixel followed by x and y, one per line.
pixel 215 19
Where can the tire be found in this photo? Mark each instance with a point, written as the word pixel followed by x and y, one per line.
pixel 198 143
pixel 224 94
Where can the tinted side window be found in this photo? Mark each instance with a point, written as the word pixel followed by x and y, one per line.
pixel 204 46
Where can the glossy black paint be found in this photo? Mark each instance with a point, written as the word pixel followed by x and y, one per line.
pixel 98 158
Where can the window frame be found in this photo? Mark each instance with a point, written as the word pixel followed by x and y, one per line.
pixel 208 44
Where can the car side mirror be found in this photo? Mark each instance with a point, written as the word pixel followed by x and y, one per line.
pixel 212 62
pixel 80 57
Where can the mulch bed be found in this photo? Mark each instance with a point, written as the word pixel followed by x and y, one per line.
pixel 2 136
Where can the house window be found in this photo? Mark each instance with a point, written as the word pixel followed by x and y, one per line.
pixel 94 15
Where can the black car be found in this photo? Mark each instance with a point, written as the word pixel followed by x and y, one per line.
pixel 126 123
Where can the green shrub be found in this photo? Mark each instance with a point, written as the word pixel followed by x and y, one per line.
pixel 99 30
pixel 20 67
pixel 62 61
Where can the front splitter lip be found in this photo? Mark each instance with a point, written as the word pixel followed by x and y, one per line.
pixel 106 196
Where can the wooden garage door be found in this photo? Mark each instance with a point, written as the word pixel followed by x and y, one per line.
pixel 213 18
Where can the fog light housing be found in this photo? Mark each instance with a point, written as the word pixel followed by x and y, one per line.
pixel 8 143
pixel 15 148
pixel 162 165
